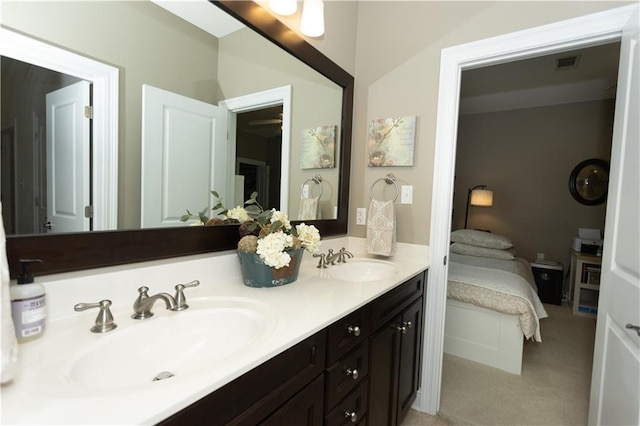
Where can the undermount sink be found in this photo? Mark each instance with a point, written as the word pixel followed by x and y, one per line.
pixel 361 269
pixel 172 346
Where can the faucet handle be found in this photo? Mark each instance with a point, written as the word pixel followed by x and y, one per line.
pixel 181 301
pixel 104 321
pixel 322 263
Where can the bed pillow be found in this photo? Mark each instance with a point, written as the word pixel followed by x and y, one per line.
pixel 481 239
pixel 469 250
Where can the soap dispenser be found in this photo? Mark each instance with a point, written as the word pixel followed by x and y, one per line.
pixel 28 304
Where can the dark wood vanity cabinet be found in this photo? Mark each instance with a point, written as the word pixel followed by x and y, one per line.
pixel 395 357
pixel 362 369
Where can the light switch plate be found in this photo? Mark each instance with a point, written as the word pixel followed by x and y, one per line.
pixel 407 194
pixel 361 216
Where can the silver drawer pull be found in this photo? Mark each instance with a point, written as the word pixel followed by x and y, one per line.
pixel 351 415
pixel 402 329
pixel 633 327
pixel 355 330
pixel 408 324
pixel 353 373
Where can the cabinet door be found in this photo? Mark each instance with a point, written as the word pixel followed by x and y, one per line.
pixel 410 358
pixel 383 374
pixel 304 409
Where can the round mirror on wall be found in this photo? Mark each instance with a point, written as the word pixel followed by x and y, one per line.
pixel 589 181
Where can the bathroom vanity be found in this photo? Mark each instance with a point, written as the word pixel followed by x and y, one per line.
pixel 330 348
pixel 363 368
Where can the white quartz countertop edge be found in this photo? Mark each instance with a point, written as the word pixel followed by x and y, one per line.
pixel 302 308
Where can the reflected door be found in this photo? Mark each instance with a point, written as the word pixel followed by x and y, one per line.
pixel 180 165
pixel 68 161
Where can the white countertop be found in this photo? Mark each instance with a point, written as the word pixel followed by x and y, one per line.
pixel 41 393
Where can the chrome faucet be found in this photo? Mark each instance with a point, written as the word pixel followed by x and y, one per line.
pixel 143 304
pixel 340 257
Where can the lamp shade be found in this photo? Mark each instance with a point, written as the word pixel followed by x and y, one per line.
pixel 283 7
pixel 312 21
pixel 481 198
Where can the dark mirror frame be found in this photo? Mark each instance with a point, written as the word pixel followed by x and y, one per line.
pixel 78 251
pixel 573 182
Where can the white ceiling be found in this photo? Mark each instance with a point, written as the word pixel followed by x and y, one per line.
pixel 200 13
pixel 535 82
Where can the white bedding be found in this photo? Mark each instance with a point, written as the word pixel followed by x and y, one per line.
pixel 506 286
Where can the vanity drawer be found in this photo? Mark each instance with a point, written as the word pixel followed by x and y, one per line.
pixel 387 306
pixel 346 374
pixel 355 404
pixel 346 333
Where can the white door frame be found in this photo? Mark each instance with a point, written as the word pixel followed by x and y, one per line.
pixel 251 102
pixel 105 113
pixel 584 31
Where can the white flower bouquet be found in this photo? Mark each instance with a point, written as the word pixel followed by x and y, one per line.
pixel 268 233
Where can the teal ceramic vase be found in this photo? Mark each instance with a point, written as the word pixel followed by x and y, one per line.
pixel 256 274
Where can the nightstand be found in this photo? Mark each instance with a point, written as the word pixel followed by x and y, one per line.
pixel 585 280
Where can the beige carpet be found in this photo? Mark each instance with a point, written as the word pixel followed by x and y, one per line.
pixel 552 390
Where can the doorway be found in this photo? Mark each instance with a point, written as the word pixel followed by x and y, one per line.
pixel 104 79
pixel 259 155
pixel 272 113
pixel 25 88
pixel 522 128
pixel 580 32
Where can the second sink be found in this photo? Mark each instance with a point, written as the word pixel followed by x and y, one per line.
pixel 362 269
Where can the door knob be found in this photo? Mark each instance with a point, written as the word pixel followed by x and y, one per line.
pixel 633 327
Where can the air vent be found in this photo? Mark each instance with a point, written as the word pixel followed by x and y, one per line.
pixel 567 62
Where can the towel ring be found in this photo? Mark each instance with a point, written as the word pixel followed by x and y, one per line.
pixel 389 179
pixel 317 179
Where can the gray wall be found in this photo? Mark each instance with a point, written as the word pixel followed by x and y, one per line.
pixel 526 156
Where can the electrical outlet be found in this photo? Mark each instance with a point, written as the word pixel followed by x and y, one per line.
pixel 540 256
pixel 407 194
pixel 361 216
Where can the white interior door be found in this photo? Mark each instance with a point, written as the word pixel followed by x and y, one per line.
pixel 180 165
pixel 615 384
pixel 68 161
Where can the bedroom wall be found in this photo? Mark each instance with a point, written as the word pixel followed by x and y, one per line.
pixel 526 156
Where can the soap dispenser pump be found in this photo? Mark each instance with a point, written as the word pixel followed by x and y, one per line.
pixel 28 308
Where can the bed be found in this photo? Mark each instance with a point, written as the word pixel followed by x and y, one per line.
pixel 492 307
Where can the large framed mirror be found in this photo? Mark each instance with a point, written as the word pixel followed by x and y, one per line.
pixel 97 248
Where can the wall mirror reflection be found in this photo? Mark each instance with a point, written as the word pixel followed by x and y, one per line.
pixel 153 47
pixel 181 90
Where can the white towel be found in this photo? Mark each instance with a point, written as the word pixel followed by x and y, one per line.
pixel 381 228
pixel 9 346
pixel 309 209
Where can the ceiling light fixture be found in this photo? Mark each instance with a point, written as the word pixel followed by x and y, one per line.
pixel 312 22
pixel 283 7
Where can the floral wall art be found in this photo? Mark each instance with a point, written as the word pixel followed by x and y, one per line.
pixel 318 148
pixel 391 141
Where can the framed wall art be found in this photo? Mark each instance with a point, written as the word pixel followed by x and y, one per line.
pixel 318 148
pixel 391 141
